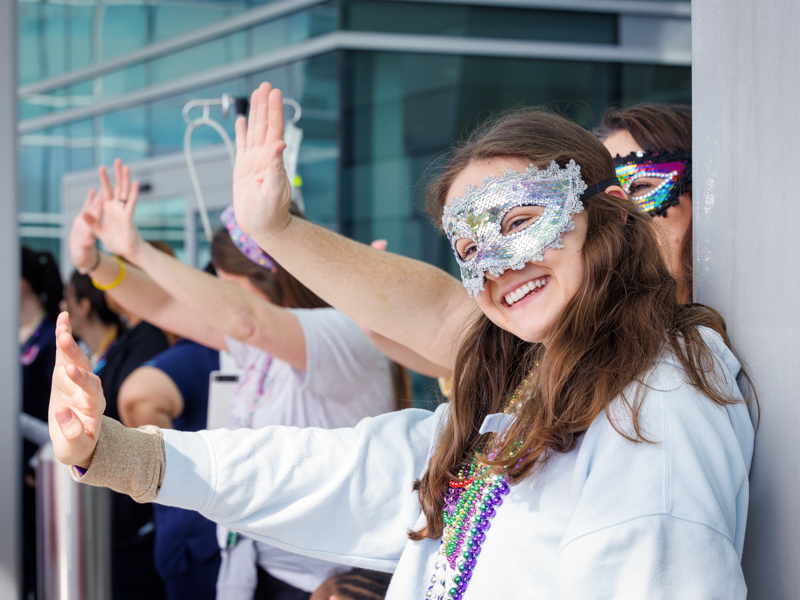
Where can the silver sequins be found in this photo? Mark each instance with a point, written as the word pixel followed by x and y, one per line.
pixel 478 216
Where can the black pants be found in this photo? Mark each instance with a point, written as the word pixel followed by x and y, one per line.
pixel 269 588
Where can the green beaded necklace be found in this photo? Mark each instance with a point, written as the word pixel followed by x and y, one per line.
pixel 468 509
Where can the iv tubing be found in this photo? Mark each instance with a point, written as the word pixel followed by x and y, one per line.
pixel 187 150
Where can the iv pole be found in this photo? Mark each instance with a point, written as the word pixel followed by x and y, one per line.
pixel 241 108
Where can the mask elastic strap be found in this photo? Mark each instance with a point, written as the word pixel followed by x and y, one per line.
pixel 599 187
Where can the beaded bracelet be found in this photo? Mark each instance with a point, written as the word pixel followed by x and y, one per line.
pixel 117 281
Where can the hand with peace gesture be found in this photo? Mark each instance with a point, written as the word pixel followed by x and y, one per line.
pixel 111 214
pixel 261 189
pixel 76 401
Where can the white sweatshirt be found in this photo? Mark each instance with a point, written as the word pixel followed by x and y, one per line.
pixel 609 519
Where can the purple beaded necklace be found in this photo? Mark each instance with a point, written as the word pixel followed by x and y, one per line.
pixel 469 506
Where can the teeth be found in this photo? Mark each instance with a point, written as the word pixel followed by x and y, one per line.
pixel 517 294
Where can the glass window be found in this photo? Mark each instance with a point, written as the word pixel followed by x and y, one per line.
pixel 481 21
pixel 655 83
pixel 163 220
pixel 44 161
pixel 404 109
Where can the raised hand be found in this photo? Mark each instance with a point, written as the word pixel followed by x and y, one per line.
pixel 76 401
pixel 116 228
pixel 261 189
pixel 82 240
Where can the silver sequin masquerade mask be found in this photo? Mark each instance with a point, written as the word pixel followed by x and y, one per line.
pixel 478 216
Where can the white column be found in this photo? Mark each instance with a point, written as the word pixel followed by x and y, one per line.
pixel 746 81
pixel 10 403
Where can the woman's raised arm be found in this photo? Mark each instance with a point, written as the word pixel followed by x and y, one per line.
pixel 136 292
pixel 408 301
pixel 211 302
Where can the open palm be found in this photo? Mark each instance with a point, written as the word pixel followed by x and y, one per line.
pixel 261 190
pixel 116 229
pixel 76 401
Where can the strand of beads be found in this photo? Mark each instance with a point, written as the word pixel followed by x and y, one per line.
pixel 470 505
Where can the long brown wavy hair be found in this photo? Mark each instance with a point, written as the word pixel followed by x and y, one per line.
pixel 657 127
pixel 608 336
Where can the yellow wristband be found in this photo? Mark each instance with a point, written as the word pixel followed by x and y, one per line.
pixel 117 281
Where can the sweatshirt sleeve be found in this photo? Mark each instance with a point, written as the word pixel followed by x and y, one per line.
pixel 342 495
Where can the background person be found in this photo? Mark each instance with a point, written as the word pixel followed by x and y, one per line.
pixel 355 584
pixel 113 357
pixel 40 292
pixel 539 453
pixel 305 368
pixel 652 148
pixel 171 391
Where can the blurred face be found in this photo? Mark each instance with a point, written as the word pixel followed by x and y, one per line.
pixel 528 301
pixel 78 311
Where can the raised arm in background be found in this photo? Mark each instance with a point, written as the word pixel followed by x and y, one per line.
pixel 216 304
pixel 403 355
pixel 406 300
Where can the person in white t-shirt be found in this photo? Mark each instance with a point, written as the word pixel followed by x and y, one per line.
pixel 303 364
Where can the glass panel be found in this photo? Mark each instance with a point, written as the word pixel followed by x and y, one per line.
pixel 124 135
pixel 203 255
pixel 163 220
pixel 44 161
pixel 481 21
pixel 407 108
pixel 43 40
pixel 294 28
pixel 315 85
pixel 166 126
pixel 649 83
pixel 199 58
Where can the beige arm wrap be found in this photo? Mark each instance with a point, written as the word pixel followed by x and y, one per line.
pixel 129 461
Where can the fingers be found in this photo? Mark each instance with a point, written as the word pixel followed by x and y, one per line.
pixel 133 198
pixel 68 350
pixel 63 324
pixel 241 135
pixel 105 184
pixel 86 380
pixel 117 179
pixel 90 219
pixel 89 200
pixel 262 114
pixel 95 207
pixel 125 184
pixel 275 117
pixel 70 425
pixel 251 119
pixel 379 245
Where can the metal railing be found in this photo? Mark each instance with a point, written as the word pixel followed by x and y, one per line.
pixel 74 534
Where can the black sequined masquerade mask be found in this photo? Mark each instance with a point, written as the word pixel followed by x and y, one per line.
pixel 655 180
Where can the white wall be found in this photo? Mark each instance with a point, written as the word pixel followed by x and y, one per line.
pixel 10 445
pixel 746 79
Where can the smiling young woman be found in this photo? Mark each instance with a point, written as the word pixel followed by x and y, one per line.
pixel 596 444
